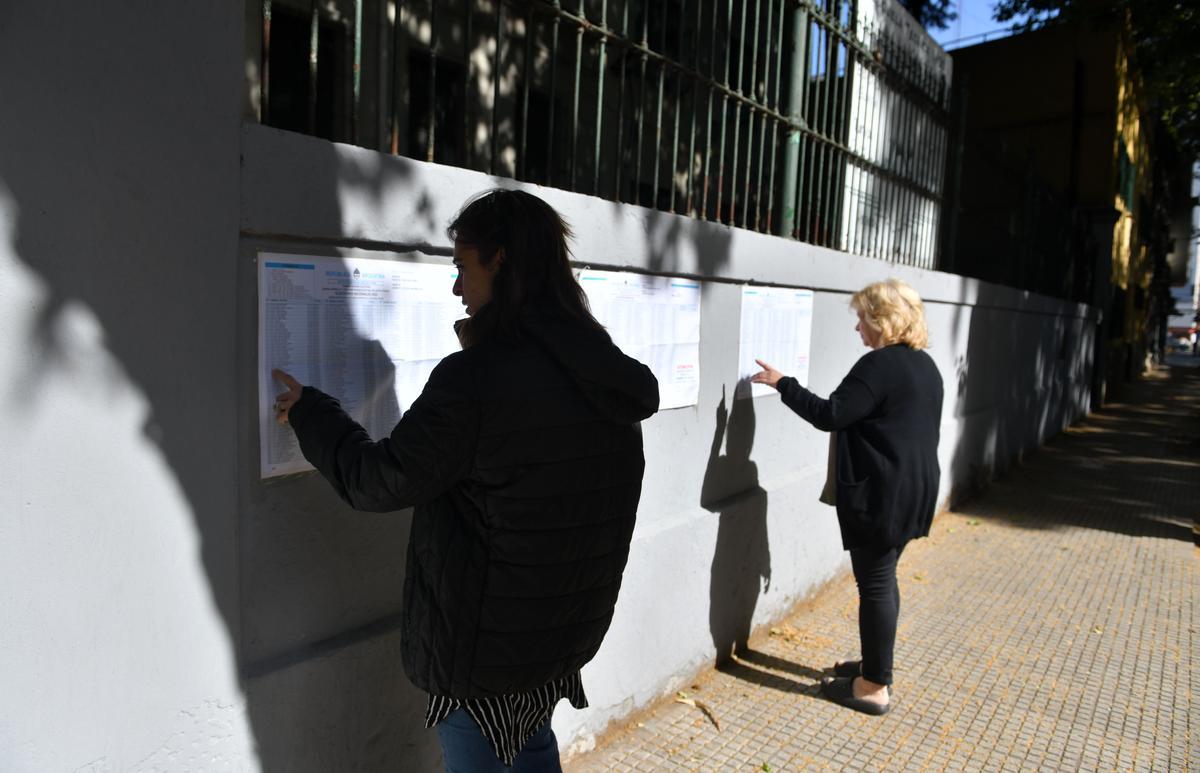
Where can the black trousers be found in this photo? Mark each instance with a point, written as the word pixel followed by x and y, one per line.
pixel 878 608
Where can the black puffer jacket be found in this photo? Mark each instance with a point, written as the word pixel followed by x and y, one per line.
pixel 523 461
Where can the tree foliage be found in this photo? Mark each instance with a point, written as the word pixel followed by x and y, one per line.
pixel 931 14
pixel 1165 35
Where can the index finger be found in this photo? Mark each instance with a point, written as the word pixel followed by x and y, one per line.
pixel 764 365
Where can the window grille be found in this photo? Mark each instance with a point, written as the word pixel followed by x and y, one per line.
pixel 818 120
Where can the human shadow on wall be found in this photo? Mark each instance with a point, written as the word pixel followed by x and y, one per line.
pixel 741 565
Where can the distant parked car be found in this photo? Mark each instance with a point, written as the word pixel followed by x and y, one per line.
pixel 1179 344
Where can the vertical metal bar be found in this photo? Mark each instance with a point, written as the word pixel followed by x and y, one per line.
pixel 851 89
pixel 862 85
pixel 678 106
pixel 620 158
pixel 689 201
pixel 432 118
pixel 853 186
pixel 553 92
pixel 895 122
pixel 575 97
pixel 914 178
pixel 869 89
pixel 902 192
pixel 843 136
pixel 809 136
pixel 883 224
pixel 662 74
pixel 526 85
pixel 752 113
pixel 952 188
pixel 496 85
pixel 764 119
pixel 770 227
pixel 811 100
pixel 712 73
pixel 600 97
pixel 871 149
pixel 312 66
pixel 829 156
pixel 792 156
pixel 882 159
pixel 814 222
pixel 909 159
pixel 264 96
pixel 839 202
pixel 394 100
pixel 641 110
pixel 468 102
pixel 357 71
pixel 724 106
pixel 812 215
pixel 737 117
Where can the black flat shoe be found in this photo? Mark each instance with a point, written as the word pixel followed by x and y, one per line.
pixel 848 668
pixel 840 690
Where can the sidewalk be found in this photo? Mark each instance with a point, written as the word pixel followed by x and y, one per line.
pixel 1049 624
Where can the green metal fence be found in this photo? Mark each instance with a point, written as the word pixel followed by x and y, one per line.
pixel 819 121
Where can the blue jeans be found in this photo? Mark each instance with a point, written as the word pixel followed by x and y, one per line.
pixel 466 750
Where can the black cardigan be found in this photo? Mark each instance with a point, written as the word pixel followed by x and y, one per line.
pixel 887 413
pixel 523 462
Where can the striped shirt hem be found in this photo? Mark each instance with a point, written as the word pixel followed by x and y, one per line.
pixel 509 721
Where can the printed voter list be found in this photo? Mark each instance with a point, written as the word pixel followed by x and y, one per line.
pixel 777 329
pixel 369 332
pixel 366 331
pixel 655 320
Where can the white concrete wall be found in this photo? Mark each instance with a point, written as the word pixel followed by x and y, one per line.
pixel 1016 369
pixel 165 610
pixel 118 508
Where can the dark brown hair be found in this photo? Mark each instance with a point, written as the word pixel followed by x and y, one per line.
pixel 535 272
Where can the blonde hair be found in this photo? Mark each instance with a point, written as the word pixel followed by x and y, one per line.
pixel 895 310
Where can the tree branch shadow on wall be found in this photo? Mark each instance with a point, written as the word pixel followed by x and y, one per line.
pixel 285 560
pixel 1024 387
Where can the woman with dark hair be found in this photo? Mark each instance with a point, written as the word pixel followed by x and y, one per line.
pixel 522 459
pixel 885 414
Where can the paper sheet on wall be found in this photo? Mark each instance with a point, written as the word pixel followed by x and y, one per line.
pixel 368 332
pixel 655 320
pixel 777 329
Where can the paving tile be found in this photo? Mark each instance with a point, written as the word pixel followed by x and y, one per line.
pixel 1049 624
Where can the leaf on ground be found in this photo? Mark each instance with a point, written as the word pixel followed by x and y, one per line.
pixel 973 522
pixel 765 767
pixel 791 635
pixel 703 708
pixel 919 577
pixel 1097 629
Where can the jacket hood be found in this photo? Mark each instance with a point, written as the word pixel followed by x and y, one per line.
pixel 616 385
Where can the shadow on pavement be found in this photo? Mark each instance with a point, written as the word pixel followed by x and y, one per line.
pixel 1130 468
pixel 752 666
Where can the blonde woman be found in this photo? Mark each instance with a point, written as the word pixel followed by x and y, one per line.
pixel 886 414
